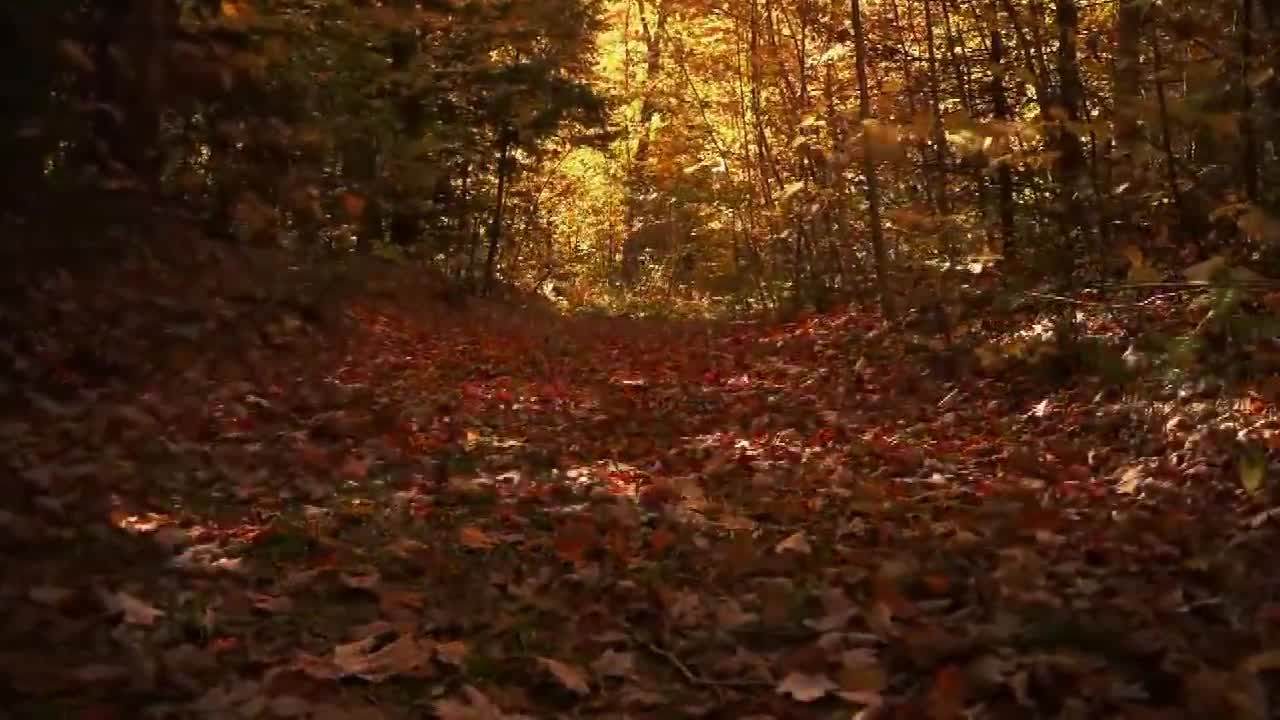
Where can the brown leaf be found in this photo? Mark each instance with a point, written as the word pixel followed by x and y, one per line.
pixel 838 611
pixel 453 653
pixel 362 578
pixel 352 204
pixel 880 620
pixel 572 678
pixel 947 694
pixel 805 687
pixel 402 656
pixel 50 596
pixel 1238 696
pixel 271 603
pixel 136 612
pixel 615 664
pixel 796 543
pixel 289 706
pixel 475 538
pixel 862 672
pixel 477 706
pixel 355 468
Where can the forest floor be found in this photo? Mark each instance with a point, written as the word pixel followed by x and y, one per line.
pixel 220 505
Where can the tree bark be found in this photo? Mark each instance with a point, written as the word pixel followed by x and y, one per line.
pixel 878 249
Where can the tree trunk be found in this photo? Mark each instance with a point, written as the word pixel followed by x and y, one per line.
pixel 1004 174
pixel 1249 160
pixel 1070 100
pixel 878 249
pixel 499 202
pixel 638 176
pixel 939 132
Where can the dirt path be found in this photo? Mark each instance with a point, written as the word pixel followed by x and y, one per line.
pixel 483 515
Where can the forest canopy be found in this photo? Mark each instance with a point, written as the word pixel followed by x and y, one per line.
pixel 638 153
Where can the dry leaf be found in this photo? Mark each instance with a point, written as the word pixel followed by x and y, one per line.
pixel 1268 661
pixel 475 538
pixel 50 595
pixel 796 543
pixel 862 673
pixel 401 656
pixel 453 653
pixel 729 615
pixel 880 620
pixel 805 687
pixel 477 706
pixel 136 612
pixel 355 468
pixel 362 578
pixel 352 204
pixel 569 676
pixel 289 706
pixel 947 695
pixel 838 611
pixel 615 664
pixel 271 603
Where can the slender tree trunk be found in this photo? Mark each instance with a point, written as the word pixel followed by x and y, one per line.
pixel 1004 174
pixel 878 249
pixel 499 204
pixel 939 132
pixel 638 175
pixel 1127 76
pixel 1249 161
pixel 1166 133
pixel 1070 101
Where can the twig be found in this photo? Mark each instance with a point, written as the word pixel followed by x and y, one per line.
pixel 690 675
pixel 1099 303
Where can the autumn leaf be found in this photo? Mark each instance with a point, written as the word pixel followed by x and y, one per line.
pixel 271 603
pixel 355 468
pixel 805 687
pixel 353 205
pixel 614 664
pixel 362 578
pixel 947 694
pixel 796 543
pixel 475 706
pixel 75 53
pixel 476 539
pixel 136 612
pixel 50 595
pixel 454 652
pixel 570 677
pixel 365 660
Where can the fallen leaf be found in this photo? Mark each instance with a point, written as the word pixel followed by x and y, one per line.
pixel 861 672
pixel 615 664
pixel 476 706
pixel 454 653
pixel 355 468
pixel 1266 661
pixel 796 543
pixel 136 612
pixel 271 603
pixel 475 538
pixel 362 578
pixel 569 676
pixel 401 656
pixel 947 694
pixel 289 706
pixel 50 595
pixel 805 687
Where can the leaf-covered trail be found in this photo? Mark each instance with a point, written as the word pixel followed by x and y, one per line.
pixel 489 514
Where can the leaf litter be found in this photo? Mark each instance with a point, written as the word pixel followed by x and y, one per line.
pixel 476 515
